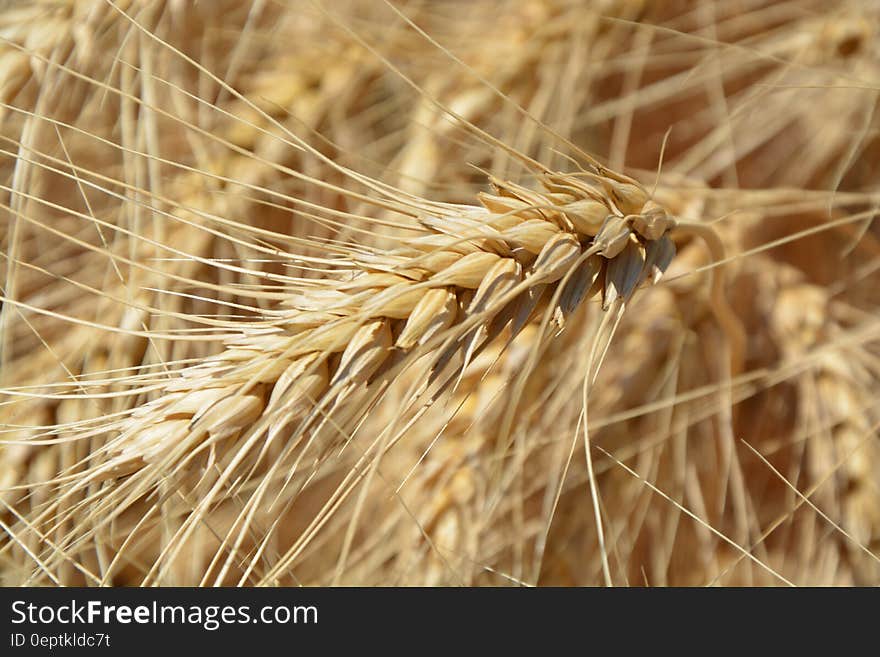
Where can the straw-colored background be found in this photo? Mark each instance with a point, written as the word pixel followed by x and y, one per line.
pixel 166 164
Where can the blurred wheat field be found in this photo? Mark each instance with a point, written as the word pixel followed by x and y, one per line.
pixel 551 292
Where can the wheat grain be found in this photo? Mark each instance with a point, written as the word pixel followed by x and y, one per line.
pixel 362 318
pixel 443 297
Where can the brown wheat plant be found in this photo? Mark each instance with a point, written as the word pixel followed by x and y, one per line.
pixel 395 293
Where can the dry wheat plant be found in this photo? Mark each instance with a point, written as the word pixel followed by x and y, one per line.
pixel 409 292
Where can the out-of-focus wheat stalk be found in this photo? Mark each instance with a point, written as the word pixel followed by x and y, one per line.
pixel 257 329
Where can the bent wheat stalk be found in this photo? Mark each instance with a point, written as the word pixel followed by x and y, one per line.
pixel 477 272
pixel 292 386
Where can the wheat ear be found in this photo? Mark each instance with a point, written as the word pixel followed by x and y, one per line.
pixel 298 378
